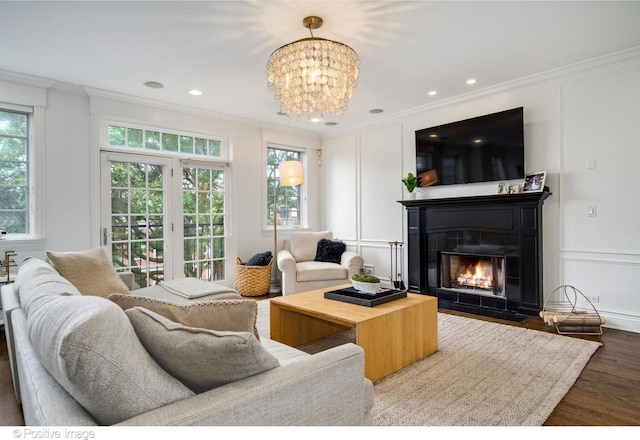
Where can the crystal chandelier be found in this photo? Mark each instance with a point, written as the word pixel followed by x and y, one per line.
pixel 313 75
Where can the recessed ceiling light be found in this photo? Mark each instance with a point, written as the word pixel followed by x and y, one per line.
pixel 154 84
pixel 195 92
pixel 376 110
pixel 316 119
pixel 471 81
pixel 477 141
pixel 331 123
pixel 432 93
pixel 433 135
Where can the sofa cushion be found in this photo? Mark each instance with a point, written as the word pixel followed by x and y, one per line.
pixel 90 271
pixel 202 359
pixel 320 271
pixel 36 279
pixel 238 315
pixel 89 346
pixel 304 245
pixel 330 251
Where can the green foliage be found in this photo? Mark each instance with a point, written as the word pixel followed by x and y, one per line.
pixel 411 182
pixel 13 172
pixel 287 198
pixel 365 278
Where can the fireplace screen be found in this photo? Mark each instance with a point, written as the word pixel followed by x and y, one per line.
pixel 482 274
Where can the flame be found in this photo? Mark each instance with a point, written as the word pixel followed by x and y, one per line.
pixel 477 276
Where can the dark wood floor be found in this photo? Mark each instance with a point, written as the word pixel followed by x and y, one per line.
pixel 607 393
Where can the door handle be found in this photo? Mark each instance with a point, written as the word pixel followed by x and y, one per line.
pixel 105 236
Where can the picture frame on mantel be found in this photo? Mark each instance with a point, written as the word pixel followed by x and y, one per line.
pixel 534 182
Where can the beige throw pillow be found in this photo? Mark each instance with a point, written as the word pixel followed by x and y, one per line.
pixel 90 271
pixel 236 315
pixel 201 359
pixel 90 347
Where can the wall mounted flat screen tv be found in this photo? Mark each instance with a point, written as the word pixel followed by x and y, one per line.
pixel 482 149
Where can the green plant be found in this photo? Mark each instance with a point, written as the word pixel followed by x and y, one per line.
pixel 365 278
pixel 411 182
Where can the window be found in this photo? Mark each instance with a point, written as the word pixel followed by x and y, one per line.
pixel 15 172
pixel 287 200
pixel 163 208
pixel 155 140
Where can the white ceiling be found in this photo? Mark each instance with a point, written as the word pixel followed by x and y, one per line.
pixel 406 48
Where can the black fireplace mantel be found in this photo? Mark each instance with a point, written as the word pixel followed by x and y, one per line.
pixel 508 224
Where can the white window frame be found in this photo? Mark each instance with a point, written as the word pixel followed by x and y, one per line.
pixel 35 178
pixel 267 197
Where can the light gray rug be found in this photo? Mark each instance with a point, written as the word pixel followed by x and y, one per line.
pixel 484 374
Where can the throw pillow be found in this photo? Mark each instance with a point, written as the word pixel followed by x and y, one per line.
pixel 262 259
pixel 238 315
pixel 90 271
pixel 304 245
pixel 202 359
pixel 330 251
pixel 89 346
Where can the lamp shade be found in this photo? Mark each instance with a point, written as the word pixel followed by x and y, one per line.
pixel 291 173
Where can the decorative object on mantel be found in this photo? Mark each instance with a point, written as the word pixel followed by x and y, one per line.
pixel 313 75
pixel 568 315
pixel 411 182
pixel 534 182
pixel 5 267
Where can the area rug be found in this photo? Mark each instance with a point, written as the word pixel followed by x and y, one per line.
pixel 483 374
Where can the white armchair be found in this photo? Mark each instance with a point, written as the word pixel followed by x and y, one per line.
pixel 300 271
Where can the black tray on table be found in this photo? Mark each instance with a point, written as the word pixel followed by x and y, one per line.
pixel 354 296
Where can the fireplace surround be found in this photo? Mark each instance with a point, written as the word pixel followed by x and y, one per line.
pixel 478 254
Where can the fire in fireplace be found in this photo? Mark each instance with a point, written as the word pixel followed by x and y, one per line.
pixel 480 274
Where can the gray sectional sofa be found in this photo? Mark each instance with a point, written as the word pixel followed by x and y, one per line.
pixel 76 359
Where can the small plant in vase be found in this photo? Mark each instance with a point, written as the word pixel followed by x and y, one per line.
pixel 411 182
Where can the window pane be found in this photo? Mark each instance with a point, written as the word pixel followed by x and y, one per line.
pixel 214 148
pixel 152 140
pixel 135 138
pixel 117 136
pixel 201 146
pixel 13 148
pixel 13 124
pixel 170 142
pixel 186 144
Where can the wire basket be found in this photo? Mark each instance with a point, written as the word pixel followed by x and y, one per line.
pixel 253 280
pixel 571 312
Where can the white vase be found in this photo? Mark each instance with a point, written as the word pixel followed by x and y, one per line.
pixel 412 196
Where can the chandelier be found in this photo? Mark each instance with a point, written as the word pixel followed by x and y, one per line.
pixel 313 75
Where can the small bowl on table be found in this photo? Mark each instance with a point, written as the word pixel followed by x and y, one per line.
pixel 369 288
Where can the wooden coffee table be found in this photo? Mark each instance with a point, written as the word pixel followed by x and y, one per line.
pixel 393 335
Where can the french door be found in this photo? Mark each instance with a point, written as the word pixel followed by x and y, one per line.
pixel 163 218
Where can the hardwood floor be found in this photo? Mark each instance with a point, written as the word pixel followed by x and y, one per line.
pixel 607 393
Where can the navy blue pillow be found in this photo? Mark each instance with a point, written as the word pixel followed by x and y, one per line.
pixel 259 259
pixel 330 251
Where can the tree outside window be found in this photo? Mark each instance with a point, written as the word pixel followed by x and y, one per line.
pixel 287 199
pixel 14 172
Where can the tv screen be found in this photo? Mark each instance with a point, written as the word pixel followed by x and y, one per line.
pixel 481 149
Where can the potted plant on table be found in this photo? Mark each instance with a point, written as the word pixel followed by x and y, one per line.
pixel 411 182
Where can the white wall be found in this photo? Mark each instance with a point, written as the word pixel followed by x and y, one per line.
pixel 585 111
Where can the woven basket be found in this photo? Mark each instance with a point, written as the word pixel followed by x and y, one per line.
pixel 253 280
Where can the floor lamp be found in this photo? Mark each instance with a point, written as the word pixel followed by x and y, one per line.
pixel 290 173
